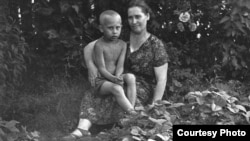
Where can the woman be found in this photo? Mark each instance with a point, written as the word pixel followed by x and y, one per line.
pixel 146 59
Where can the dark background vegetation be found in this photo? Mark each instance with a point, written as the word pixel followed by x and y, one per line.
pixel 42 74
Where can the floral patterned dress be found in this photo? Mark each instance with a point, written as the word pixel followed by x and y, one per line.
pixel 141 63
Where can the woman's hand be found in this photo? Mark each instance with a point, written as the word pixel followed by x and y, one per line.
pixel 88 58
pixel 92 74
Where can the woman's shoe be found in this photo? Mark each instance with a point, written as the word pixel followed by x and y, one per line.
pixel 72 137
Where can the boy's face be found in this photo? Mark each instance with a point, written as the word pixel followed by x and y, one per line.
pixel 111 27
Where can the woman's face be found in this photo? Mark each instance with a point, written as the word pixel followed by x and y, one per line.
pixel 137 19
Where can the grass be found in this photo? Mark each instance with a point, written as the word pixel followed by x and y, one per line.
pixel 48 105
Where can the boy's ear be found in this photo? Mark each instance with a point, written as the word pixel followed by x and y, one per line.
pixel 100 28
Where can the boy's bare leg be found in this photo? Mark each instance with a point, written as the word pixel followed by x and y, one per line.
pixel 118 92
pixel 130 80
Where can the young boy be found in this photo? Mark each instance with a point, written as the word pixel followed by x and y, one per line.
pixel 109 53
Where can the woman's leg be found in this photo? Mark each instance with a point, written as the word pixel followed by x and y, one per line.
pixel 81 130
pixel 118 92
pixel 83 124
pixel 130 81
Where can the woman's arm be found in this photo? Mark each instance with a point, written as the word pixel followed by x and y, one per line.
pixel 88 58
pixel 161 80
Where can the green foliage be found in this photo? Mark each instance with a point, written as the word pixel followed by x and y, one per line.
pixel 208 42
pixel 150 123
pixel 235 27
pixel 219 107
pixel 57 105
pixel 10 132
pixel 208 36
pixel 214 106
pixel 13 52
pixel 61 30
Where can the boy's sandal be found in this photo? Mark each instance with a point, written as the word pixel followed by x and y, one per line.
pixel 72 137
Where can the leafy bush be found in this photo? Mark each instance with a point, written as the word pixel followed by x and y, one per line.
pixel 10 132
pixel 209 40
pixel 13 53
pixel 213 106
pixel 209 36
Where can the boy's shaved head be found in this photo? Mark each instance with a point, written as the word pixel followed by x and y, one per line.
pixel 108 13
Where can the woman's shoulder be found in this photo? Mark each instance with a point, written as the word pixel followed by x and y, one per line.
pixel 156 40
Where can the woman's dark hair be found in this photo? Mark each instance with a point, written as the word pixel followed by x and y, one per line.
pixel 142 4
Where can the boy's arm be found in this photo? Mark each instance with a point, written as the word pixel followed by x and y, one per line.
pixel 98 50
pixel 120 63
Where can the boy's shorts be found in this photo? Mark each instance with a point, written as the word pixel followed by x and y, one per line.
pixel 99 80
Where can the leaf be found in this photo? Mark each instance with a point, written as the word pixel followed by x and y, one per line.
pixel 220 101
pixel 157 121
pixel 35 134
pixel 177 83
pixel 240 26
pixel 232 108
pixel 235 11
pixel 136 138
pixel 247 4
pixel 200 100
pixel 223 94
pixel 165 102
pixel 247 115
pixel 232 100
pixel 11 125
pixel 52 33
pixel 206 92
pixel 45 11
pixel 240 107
pixel 163 138
pixel 135 130
pixel 224 19
pixel 215 107
pixel 151 140
pixel 152 131
pixel 1 132
pixel 11 139
pixel 196 93
pixel 76 8
pixel 139 108
pixel 166 127
pixel 175 105
pixel 235 63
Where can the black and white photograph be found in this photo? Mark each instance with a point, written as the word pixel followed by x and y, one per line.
pixel 124 70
